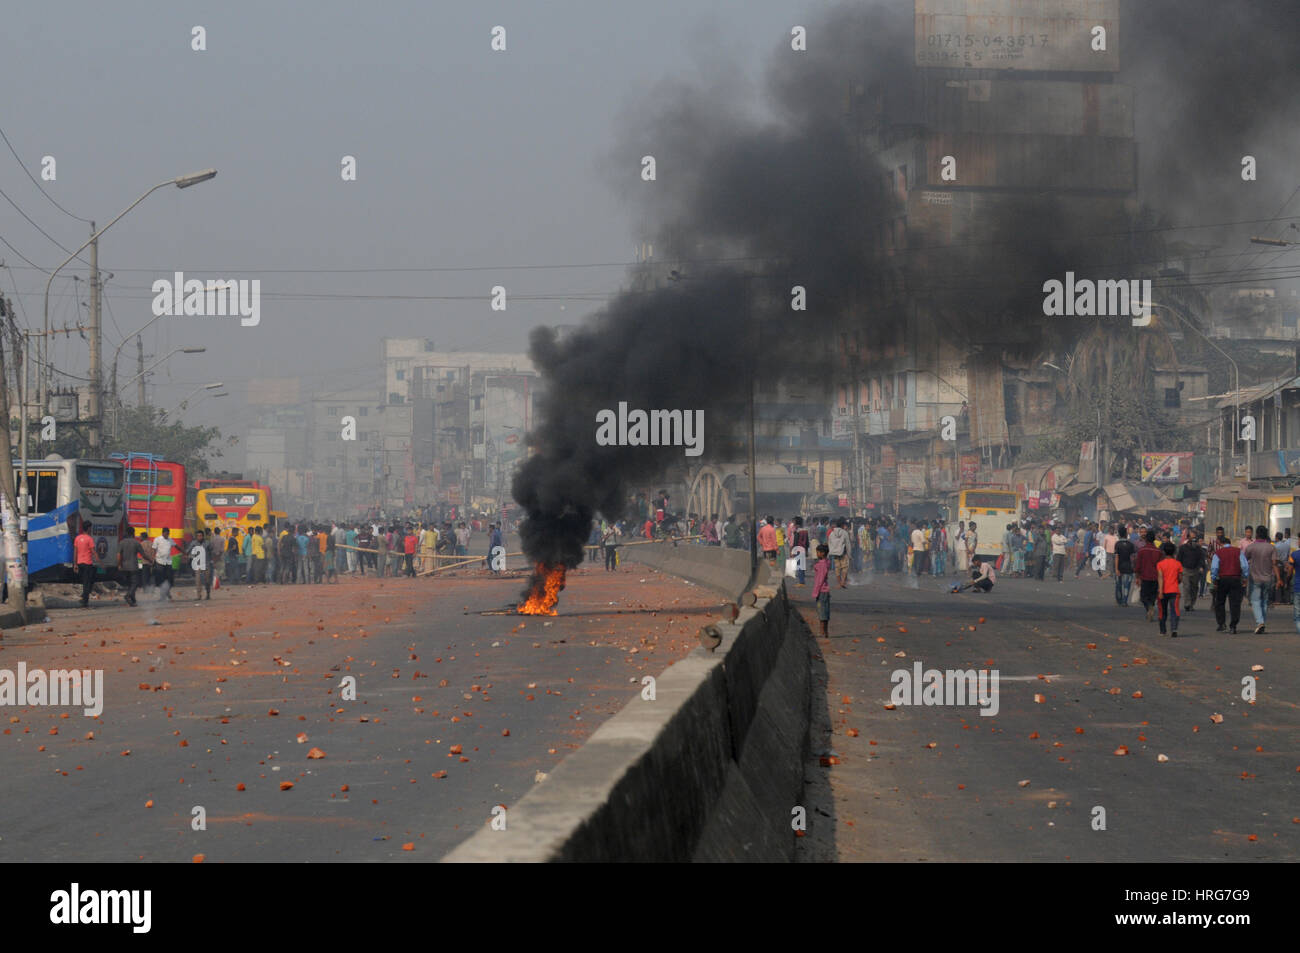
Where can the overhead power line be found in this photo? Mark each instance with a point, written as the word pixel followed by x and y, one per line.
pixel 36 183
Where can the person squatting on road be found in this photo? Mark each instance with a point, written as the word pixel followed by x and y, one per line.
pixel 982 576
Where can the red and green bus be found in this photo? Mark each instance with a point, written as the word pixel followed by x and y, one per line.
pixel 156 494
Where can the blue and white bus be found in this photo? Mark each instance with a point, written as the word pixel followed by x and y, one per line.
pixel 62 495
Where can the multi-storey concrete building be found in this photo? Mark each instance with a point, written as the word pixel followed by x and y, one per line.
pixel 965 143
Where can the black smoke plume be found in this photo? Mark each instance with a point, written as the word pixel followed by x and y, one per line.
pixel 752 199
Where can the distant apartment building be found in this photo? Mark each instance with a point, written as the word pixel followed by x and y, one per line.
pixel 469 413
pixel 1266 318
pixel 1019 125
pixel 347 473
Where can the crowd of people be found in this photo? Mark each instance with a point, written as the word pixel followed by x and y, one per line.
pixel 305 553
pixel 1174 566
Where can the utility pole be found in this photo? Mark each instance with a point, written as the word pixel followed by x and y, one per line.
pixel 94 432
pixel 15 559
pixel 139 369
pixel 753 487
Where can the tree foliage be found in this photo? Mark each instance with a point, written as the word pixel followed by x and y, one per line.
pixel 142 430
pixel 1138 423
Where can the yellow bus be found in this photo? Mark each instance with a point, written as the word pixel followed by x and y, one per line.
pixel 234 503
pixel 990 510
pixel 1235 506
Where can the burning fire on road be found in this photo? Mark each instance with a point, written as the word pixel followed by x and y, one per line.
pixel 543 591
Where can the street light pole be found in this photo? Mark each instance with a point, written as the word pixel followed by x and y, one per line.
pixel 175 350
pixel 181 182
pixel 184 402
pixel 118 353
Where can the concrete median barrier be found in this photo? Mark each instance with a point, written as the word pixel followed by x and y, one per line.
pixel 723 570
pixel 710 770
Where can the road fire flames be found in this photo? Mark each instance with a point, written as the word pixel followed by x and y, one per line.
pixel 544 591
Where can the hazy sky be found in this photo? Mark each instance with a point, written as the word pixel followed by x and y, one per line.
pixel 475 168
pixel 466 159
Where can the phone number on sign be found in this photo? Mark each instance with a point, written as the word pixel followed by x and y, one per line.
pixel 987 41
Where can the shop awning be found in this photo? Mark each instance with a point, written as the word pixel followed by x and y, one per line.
pixel 1079 489
pixel 1137 498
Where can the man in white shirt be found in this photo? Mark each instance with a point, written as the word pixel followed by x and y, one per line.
pixel 918 547
pixel 838 542
pixel 1059 543
pixel 162 558
pixel 982 577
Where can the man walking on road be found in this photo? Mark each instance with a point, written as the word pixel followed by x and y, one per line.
pixel 1171 575
pixel 128 564
pixel 1191 555
pixel 162 557
pixel 1124 551
pixel 1265 574
pixel 1227 567
pixel 1148 558
pixel 84 548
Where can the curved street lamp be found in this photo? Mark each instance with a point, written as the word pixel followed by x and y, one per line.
pixel 181 182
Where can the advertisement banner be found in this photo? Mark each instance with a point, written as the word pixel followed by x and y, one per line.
pixel 1040 35
pixel 911 478
pixel 1166 467
pixel 970 467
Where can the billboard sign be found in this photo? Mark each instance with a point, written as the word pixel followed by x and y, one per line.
pixel 911 478
pixel 1040 35
pixel 1166 467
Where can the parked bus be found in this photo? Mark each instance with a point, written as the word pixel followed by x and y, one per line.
pixel 231 503
pixel 156 494
pixel 62 495
pixel 1234 506
pixel 990 510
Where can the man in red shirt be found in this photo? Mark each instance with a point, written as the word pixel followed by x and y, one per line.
pixel 1170 569
pixel 767 540
pixel 1145 562
pixel 84 549
pixel 408 548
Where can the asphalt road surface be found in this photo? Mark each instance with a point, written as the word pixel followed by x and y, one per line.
pixel 1080 679
pixel 205 708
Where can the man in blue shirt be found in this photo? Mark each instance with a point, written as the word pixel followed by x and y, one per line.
pixel 304 567
pixel 494 541
pixel 1086 553
pixel 246 549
